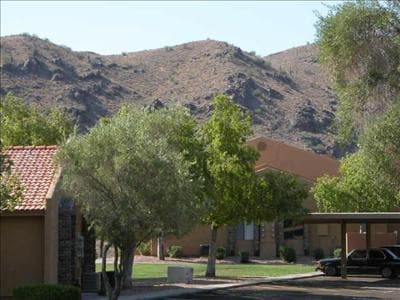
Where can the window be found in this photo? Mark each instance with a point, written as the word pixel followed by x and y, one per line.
pixel 376 254
pixel 249 231
pixel 245 231
pixel 359 254
pixel 291 234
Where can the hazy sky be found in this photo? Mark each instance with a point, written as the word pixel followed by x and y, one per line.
pixel 109 27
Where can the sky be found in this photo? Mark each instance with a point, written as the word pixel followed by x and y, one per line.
pixel 112 27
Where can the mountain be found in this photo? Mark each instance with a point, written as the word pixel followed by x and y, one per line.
pixel 287 94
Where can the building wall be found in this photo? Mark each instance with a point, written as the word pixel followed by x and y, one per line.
pixel 324 236
pixel 279 156
pixel 327 236
pixel 268 241
pixel 51 241
pixel 21 251
pixel 191 242
pixel 395 227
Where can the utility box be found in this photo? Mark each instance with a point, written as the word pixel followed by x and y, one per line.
pixel 180 275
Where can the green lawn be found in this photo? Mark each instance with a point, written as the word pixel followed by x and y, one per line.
pixel 144 270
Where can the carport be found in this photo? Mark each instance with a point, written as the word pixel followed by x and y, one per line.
pixel 346 218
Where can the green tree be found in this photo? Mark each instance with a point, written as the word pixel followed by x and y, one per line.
pixel 233 192
pixel 359 46
pixel 132 177
pixel 276 196
pixel 10 188
pixel 369 179
pixel 26 124
pixel 228 169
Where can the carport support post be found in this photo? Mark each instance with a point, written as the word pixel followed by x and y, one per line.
pixel 343 269
pixel 368 235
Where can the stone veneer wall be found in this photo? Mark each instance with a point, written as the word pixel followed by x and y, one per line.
pixel 89 279
pixel 72 269
pixel 66 246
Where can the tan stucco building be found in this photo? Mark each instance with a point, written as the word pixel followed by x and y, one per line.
pixel 264 240
pixel 43 239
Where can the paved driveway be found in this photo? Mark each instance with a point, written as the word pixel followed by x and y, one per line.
pixel 311 288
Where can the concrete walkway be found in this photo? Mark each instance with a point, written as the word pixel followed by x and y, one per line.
pixel 174 292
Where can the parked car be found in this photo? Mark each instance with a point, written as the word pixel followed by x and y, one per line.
pixel 394 248
pixel 360 261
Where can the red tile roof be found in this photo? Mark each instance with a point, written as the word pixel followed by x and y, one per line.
pixel 34 167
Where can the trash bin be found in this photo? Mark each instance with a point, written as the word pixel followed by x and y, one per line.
pixel 204 249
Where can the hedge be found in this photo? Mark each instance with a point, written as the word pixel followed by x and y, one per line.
pixel 47 292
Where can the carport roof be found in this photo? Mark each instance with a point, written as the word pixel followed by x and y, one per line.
pixel 359 217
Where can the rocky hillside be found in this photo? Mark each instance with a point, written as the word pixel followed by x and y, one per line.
pixel 287 94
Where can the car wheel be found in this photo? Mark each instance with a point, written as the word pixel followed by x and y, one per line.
pixel 387 272
pixel 330 271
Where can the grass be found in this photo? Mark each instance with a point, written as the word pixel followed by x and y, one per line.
pixel 145 270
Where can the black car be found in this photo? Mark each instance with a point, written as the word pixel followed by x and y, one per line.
pixel 395 249
pixel 360 261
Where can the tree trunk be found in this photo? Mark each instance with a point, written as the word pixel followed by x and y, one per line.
pixel 160 248
pixel 101 248
pixel 127 263
pixel 106 282
pixel 212 252
pixel 117 274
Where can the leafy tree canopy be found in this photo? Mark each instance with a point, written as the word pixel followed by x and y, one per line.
pixel 26 124
pixel 369 179
pixel 229 163
pixel 359 45
pixel 132 176
pixel 233 191
pixel 10 188
pixel 278 195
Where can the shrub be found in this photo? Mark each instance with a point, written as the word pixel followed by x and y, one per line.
pixel 47 292
pixel 175 251
pixel 144 248
pixel 287 254
pixel 244 256
pixel 318 253
pixel 337 252
pixel 221 253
